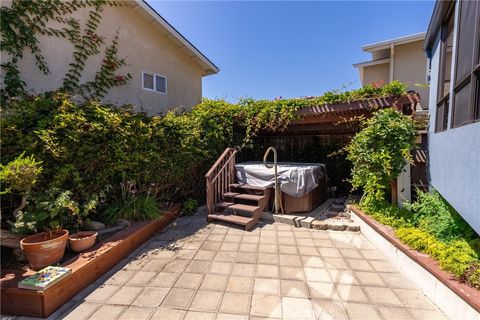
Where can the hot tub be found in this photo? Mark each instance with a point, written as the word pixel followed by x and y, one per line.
pixel 303 185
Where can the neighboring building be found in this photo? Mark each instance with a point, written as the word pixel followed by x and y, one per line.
pixel 453 45
pixel 399 59
pixel 166 68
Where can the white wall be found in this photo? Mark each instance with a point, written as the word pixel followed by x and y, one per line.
pixel 454 157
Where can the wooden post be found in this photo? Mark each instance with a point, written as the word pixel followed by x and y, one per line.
pixel 394 187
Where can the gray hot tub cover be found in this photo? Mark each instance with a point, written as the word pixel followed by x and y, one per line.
pixel 295 179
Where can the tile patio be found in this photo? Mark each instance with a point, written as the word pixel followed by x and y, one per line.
pixel 196 270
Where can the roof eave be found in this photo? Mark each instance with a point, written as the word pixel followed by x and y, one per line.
pixel 396 41
pixel 371 63
pixel 440 10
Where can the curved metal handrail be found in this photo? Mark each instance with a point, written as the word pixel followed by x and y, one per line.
pixel 277 204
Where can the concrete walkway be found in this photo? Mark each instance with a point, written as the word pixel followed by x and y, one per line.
pixel 199 271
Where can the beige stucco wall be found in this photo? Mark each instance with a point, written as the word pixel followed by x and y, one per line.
pixel 410 66
pixel 375 73
pixel 145 46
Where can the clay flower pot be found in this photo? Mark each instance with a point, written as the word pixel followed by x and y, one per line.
pixel 41 251
pixel 82 240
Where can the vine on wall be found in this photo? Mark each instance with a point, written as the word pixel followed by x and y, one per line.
pixel 24 21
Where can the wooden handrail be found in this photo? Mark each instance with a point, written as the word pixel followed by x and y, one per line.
pixel 219 178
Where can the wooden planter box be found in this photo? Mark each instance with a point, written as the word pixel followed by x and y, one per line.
pixel 86 268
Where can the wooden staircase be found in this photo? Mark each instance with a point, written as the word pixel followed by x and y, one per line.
pixel 243 205
pixel 229 201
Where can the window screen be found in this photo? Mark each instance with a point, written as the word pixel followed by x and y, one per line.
pixel 461 112
pixel 160 84
pixel 147 81
pixel 465 40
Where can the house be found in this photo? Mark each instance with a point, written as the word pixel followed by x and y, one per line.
pixel 452 43
pixel 166 68
pixel 399 59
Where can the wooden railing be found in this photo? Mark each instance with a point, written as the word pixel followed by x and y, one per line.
pixel 219 177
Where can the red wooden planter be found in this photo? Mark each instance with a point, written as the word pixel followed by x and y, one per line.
pixel 86 268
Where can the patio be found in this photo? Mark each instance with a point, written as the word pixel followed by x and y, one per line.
pixel 196 270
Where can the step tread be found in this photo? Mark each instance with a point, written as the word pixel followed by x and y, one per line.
pixel 231 218
pixel 252 197
pixel 237 206
pixel 247 186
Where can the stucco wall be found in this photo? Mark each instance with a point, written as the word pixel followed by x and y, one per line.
pixel 379 72
pixel 454 159
pixel 410 66
pixel 145 47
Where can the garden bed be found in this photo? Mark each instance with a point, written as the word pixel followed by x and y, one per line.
pixel 456 299
pixel 86 268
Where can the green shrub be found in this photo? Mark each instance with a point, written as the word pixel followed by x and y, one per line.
pixel 433 214
pixel 379 152
pixel 189 206
pixel 471 275
pixel 132 209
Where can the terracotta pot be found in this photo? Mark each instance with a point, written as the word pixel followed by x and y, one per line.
pixel 82 240
pixel 41 252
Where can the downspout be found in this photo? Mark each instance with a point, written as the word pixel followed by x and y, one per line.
pixel 392 61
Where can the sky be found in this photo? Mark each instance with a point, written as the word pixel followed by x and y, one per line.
pixel 289 49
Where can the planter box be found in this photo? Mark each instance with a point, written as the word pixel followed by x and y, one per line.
pixel 455 299
pixel 86 268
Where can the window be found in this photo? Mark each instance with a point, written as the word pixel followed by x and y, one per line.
pixel 467 71
pixel 154 82
pixel 443 95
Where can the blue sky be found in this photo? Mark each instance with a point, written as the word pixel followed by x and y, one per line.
pixel 289 49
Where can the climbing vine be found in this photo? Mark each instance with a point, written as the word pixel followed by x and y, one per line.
pixel 24 21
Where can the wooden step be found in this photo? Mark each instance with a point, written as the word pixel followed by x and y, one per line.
pixel 247 222
pixel 244 196
pixel 248 187
pixel 237 207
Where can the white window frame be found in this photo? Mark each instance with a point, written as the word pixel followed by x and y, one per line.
pixel 154 75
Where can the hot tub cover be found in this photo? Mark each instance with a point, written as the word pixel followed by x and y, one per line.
pixel 295 179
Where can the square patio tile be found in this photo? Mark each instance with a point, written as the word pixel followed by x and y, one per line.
pixel 284 249
pixel 220 267
pixel 236 303
pixel 357 311
pixel 330 252
pixel 329 310
pixel 294 288
pixel 125 296
pixel 266 306
pixel 323 243
pixel 196 315
pixel 396 280
pixel 316 274
pixel 395 313
pixel 268 240
pixel 239 284
pixel 349 293
pixel 266 286
pixel 323 290
pixel 168 314
pixel 141 278
pixel 369 278
pixel 189 280
pixel 290 241
pixel 382 296
pixel 308 251
pixel 233 238
pixel 155 265
pixel 206 300
pixel 107 312
pixel 250 239
pixel 267 248
pixel 248 247
pixel 268 258
pixel 243 269
pixel 351 253
pixel 361 265
pixel 102 293
pixel 230 246
pixel 177 266
pixel 335 263
pixel 151 297
pixel 214 282
pixel 290 260
pixel 292 273
pixel 178 298
pixel 246 257
pixel 164 279
pixel 198 266
pixel 305 242
pixel 424 314
pixel 267 271
pixel 373 255
pixel 343 277
pixel 211 245
pixel 226 256
pixel 134 313
pixel 120 278
pixel 383 266
pixel 313 262
pixel 228 316
pixel 206 255
pixel 414 299
pixel 297 308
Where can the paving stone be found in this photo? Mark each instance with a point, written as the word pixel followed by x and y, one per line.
pixel 294 288
pixel 198 266
pixel 424 314
pixel 151 297
pixel 316 274
pixel 81 311
pixel 141 278
pixel 164 279
pixel 206 300
pixel 233 238
pixel 267 248
pixel 243 269
pixel 290 260
pixel 330 252
pixel 267 271
pixel 266 286
pixel 246 257
pixel 168 314
pixel 178 266
pixel 251 239
pixel 335 263
pixel 229 316
pixel 329 310
pixel 230 246
pixel 290 241
pixel 308 251
pixel 369 278
pixel 102 293
pixel 313 262
pixel 189 280
pixel 236 303
pixel 349 293
pixel 361 265
pixel 226 256
pixel 358 311
pixel 323 290
pixel 343 276
pixel 125 295
pixel 206 255
pixel 214 282
pixel 396 280
pixel 382 266
pixel 212 245
pixel 178 298
pixel 297 308
pixel 239 284
pixel 248 247
pixel 372 255
pixel 107 312
pixel 292 273
pixel 414 299
pixel 268 258
pixel 305 242
pixel 220 267
pixel 155 265
pixel 121 277
pixel 395 313
pixel 195 315
pixel 266 306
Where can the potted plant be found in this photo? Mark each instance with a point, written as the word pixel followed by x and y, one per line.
pixel 82 240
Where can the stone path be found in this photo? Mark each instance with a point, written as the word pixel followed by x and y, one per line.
pixel 277 271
